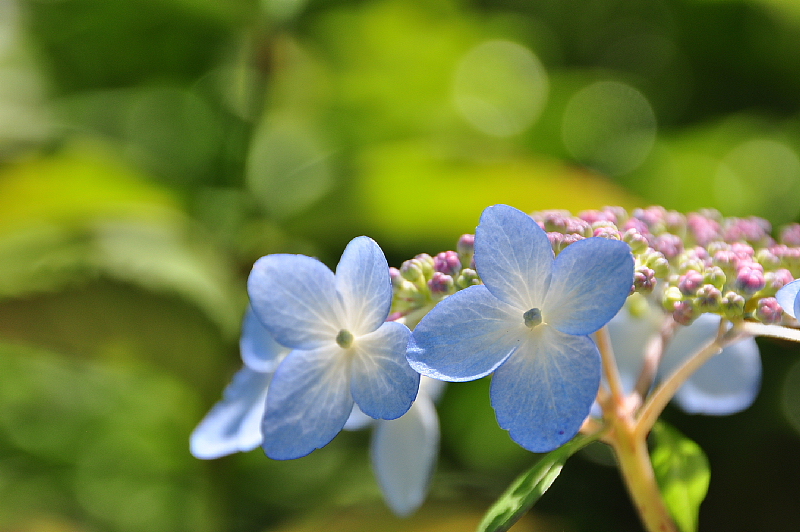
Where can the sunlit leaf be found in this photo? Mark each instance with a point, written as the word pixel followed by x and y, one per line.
pixel 411 193
pixel 682 473
pixel 78 214
pixel 528 488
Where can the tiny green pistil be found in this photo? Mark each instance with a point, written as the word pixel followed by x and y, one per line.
pixel 532 318
pixel 344 338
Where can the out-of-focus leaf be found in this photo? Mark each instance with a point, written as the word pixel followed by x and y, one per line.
pixel 95 43
pixel 413 195
pixel 682 473
pixel 529 487
pixel 75 215
pixel 114 437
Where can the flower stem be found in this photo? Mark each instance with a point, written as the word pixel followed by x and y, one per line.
pixel 663 394
pixel 773 331
pixel 630 447
pixel 603 340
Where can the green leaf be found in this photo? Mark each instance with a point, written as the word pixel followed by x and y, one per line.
pixel 529 487
pixel 682 473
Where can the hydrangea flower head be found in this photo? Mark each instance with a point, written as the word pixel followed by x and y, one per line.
pixel 343 349
pixel 529 324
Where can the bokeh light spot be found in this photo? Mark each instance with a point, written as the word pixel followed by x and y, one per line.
pixel 500 87
pixel 759 177
pixel 609 126
pixel 287 168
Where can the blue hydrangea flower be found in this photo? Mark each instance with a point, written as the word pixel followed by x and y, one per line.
pixel 403 450
pixel 728 383
pixel 787 298
pixel 234 423
pixel 343 349
pixel 529 325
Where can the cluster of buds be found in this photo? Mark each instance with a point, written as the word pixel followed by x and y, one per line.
pixel 690 264
pixel 423 281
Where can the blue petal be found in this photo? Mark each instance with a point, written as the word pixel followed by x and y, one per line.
pixel 362 280
pixel 295 297
pixel 404 454
pixel 728 383
pixel 233 424
pixel 545 390
pixel 787 298
pixel 513 256
pixel 308 403
pixel 591 280
pixel 259 351
pixel 466 336
pixel 382 383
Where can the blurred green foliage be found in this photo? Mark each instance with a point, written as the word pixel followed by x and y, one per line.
pixel 150 151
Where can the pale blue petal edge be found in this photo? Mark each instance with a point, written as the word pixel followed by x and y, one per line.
pixel 466 336
pixel 258 349
pixel 513 256
pixel 381 381
pixel 403 453
pixel 543 393
pixel 591 281
pixel 358 420
pixel 234 423
pixel 787 298
pixel 362 280
pixel 728 383
pixel 295 297
pixel 308 403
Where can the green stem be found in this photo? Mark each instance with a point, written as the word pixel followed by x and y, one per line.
pixel 666 390
pixel 603 340
pixel 637 472
pixel 773 331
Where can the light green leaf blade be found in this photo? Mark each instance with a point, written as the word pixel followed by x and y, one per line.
pixel 523 493
pixel 682 473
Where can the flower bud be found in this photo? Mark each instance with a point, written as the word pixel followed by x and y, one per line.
pixel 689 282
pixel 732 305
pixel 708 298
pixel 466 249
pixel 768 310
pixel 411 270
pixel 635 240
pixel 447 262
pixel 672 296
pixel 750 279
pixel 715 276
pixel 684 312
pixel 441 284
pixel 468 277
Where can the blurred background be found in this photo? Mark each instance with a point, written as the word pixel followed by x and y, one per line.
pixel 151 150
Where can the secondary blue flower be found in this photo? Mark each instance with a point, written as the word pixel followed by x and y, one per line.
pixel 404 450
pixel 343 350
pixel 234 423
pixel 728 383
pixel 529 324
